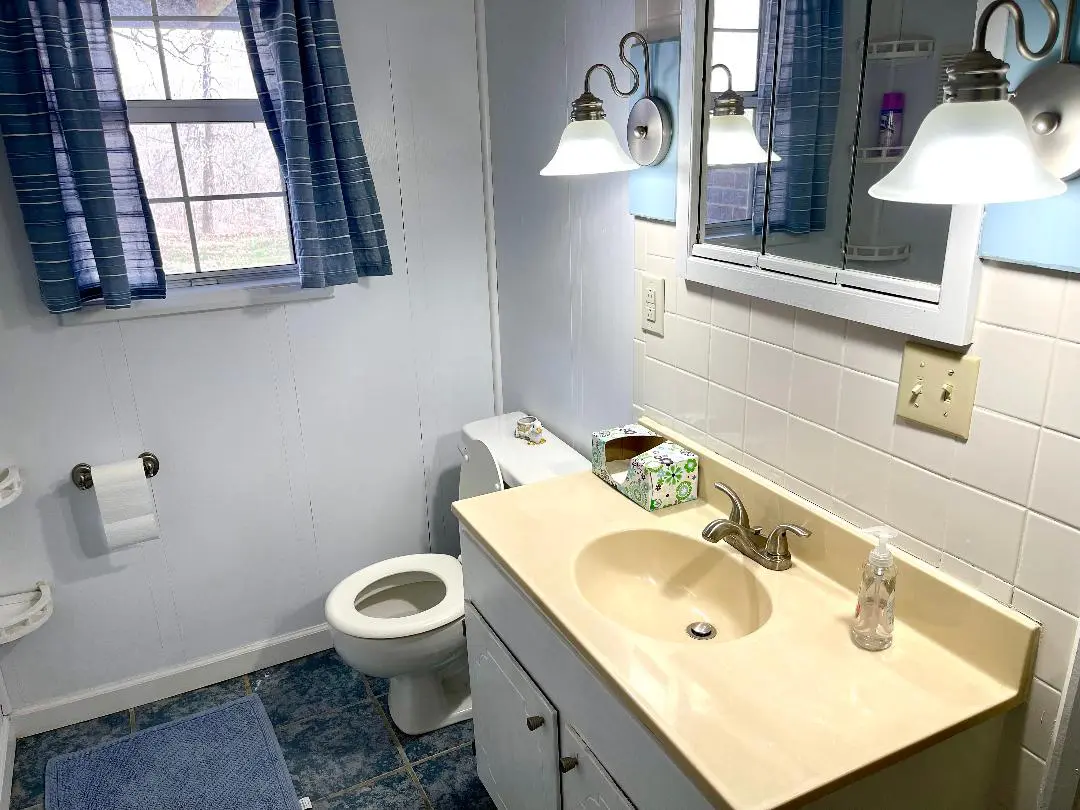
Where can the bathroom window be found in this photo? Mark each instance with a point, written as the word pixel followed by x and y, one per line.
pixel 210 170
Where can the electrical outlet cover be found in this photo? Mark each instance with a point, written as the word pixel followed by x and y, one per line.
pixel 937 388
pixel 652 305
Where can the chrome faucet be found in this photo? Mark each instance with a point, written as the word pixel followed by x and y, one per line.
pixel 771 552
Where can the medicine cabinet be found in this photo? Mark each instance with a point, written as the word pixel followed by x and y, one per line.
pixel 834 89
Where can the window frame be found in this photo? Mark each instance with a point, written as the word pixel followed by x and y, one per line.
pixel 942 312
pixel 173 112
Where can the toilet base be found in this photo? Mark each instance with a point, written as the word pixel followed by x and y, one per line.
pixel 425 701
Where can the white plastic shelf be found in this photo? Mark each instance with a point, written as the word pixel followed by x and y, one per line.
pixel 877 253
pixel 887 49
pixel 23 613
pixel 11 485
pixel 879 154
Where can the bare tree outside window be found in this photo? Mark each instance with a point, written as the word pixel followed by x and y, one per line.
pixel 210 170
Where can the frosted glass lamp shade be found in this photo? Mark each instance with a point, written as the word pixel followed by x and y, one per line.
pixel 589 147
pixel 969 152
pixel 732 142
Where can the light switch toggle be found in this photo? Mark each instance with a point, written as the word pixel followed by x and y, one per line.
pixel 947 391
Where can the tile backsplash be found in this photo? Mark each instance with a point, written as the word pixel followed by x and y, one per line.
pixel 808 401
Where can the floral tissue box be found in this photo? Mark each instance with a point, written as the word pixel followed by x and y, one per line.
pixel 648 469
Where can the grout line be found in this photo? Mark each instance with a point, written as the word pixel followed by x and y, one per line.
pixel 246 681
pixel 131 720
pixel 361 785
pixel 397 744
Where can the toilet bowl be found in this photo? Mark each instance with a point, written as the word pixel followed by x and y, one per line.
pixel 402 619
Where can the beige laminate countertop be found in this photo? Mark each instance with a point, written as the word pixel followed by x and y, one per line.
pixel 791 710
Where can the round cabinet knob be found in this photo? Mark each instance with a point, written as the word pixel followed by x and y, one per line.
pixel 567 764
pixel 534 722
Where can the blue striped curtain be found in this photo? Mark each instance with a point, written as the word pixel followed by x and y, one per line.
pixel 303 86
pixel 65 131
pixel 806 102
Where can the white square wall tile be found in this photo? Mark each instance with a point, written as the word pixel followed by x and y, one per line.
pixel 1054 489
pixel 731 311
pixel 999 456
pixel 728 354
pixel 1056 641
pixel 917 502
pixel 1069 328
pixel 988 584
pixel 1040 718
pixel 641 249
pixel 984 530
pixel 918 549
pixel 660 239
pixel 726 415
pixel 768 375
pixel 862 476
pixel 867 405
pixel 766 433
pixel 925 447
pixel 815 390
pixel 873 351
pixel 820 336
pixel 1063 403
pixel 1014 371
pixel 676 393
pixel 772 322
pixel 1026 299
pixel 811 453
pixel 1019 778
pixel 1049 562
pixel 685 345
pixel 693 300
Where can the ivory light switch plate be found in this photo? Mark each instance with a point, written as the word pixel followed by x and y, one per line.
pixel 937 388
pixel 652 304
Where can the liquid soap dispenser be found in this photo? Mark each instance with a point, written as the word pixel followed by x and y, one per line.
pixel 873 625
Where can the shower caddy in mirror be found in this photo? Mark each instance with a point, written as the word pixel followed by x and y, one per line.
pixel 802 230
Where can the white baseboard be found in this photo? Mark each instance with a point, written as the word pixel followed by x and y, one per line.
pixel 7 761
pixel 115 697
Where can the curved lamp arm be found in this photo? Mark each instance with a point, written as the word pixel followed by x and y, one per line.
pixel 727 72
pixel 1018 21
pixel 633 35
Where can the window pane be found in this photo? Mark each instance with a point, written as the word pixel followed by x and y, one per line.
pixel 206 60
pixel 196 8
pixel 739 53
pixel 129 8
pixel 171 223
pixel 234 234
pixel 228 159
pixel 137 60
pixel 157 159
pixel 729 13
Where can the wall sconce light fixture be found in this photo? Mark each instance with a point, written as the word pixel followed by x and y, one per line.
pixel 980 147
pixel 732 141
pixel 589 144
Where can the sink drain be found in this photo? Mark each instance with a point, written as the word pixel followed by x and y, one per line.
pixel 700 631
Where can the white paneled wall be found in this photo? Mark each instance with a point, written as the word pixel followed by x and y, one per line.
pixel 563 243
pixel 298 442
pixel 809 401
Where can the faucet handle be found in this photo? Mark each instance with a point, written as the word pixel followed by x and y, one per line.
pixel 777 544
pixel 738 512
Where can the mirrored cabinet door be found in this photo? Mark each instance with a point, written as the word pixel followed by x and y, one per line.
pixel 911 43
pixel 814 97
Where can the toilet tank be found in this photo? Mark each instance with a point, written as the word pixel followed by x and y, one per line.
pixel 493 458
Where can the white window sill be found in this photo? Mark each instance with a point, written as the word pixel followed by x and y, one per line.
pixel 205 298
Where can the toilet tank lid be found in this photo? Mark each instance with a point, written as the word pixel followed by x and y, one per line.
pixel 521 462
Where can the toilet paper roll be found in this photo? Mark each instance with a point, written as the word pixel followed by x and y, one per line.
pixel 126 503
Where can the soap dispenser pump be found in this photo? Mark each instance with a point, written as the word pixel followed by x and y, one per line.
pixel 872 628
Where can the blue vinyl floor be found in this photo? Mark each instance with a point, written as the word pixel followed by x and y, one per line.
pixel 334 727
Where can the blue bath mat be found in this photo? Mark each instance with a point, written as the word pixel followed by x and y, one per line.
pixel 225 759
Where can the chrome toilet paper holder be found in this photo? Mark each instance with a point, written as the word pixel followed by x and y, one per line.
pixel 82 478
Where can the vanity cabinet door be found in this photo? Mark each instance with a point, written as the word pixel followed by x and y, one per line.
pixel 585 783
pixel 516 728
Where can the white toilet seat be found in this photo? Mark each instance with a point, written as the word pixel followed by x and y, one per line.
pixel 342 615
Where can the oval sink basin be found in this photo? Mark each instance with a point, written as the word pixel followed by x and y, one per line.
pixel 657 583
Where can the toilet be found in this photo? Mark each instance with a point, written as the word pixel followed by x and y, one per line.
pixel 403 618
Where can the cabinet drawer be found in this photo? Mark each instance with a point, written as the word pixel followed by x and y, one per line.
pixel 516 728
